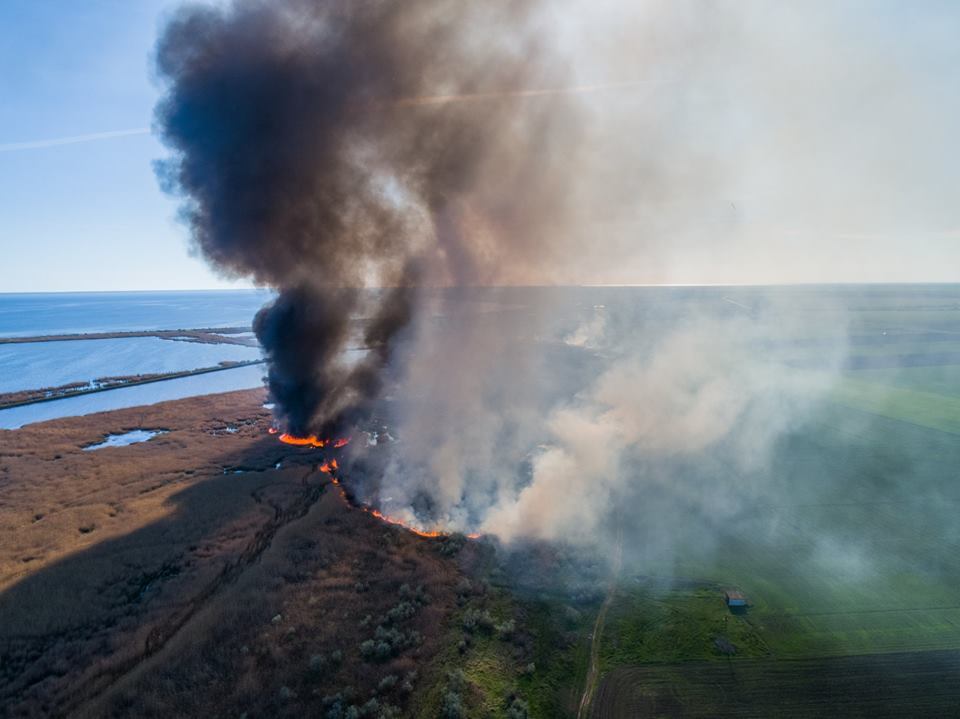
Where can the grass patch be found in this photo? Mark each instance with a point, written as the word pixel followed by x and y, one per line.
pixel 926 409
pixel 642 627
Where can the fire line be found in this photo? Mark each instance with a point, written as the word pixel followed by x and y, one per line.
pixel 330 467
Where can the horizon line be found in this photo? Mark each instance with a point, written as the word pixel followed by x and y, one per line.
pixel 613 285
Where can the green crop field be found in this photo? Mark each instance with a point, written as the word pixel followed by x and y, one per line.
pixel 852 568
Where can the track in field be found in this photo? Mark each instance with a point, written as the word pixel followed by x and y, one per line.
pixel 910 684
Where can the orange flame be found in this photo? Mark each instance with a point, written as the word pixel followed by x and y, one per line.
pixel 429 533
pixel 400 523
pixel 312 441
pixel 309 441
pixel 329 466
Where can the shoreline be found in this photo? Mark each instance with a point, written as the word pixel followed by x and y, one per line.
pixel 203 335
pixel 133 383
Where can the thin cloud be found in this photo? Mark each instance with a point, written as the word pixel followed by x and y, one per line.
pixel 72 140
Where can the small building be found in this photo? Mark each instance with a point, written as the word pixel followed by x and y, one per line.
pixel 735 598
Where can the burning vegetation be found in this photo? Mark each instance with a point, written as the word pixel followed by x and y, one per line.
pixel 331 466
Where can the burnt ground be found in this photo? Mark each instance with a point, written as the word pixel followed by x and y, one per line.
pixel 189 576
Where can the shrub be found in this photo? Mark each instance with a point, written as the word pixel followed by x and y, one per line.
pixel 452 545
pixel 378 651
pixel 464 587
pixel 518 709
pixel 507 629
pixel 387 683
pixel 452 707
pixel 408 682
pixel 370 709
pixel 403 611
pixel 417 595
pixel 475 620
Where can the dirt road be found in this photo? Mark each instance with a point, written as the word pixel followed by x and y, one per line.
pixel 593 673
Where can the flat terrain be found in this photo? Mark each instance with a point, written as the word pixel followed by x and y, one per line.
pixel 208 569
pixel 850 562
pixel 916 684
pixel 212 571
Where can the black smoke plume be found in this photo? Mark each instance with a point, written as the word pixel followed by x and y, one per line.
pixel 325 148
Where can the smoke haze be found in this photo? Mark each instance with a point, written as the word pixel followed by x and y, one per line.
pixel 327 152
pixel 307 163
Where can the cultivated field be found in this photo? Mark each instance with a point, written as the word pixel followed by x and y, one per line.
pixel 850 561
pixel 915 684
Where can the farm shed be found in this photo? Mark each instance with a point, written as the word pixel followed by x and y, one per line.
pixel 735 598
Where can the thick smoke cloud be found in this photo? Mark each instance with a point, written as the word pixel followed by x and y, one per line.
pixel 323 147
pixel 327 148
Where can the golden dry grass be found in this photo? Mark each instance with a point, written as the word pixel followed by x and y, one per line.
pixel 144 580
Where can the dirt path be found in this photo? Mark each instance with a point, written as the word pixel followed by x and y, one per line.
pixel 593 673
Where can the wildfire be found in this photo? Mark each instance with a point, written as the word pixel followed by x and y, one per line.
pixel 429 533
pixel 312 441
pixel 400 523
pixel 330 466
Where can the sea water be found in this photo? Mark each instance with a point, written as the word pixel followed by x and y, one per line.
pixel 202 384
pixel 76 312
pixel 49 364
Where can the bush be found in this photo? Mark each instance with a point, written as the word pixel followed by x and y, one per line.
pixel 518 709
pixel 475 620
pixel 507 629
pixel 387 683
pixel 370 709
pixel 378 651
pixel 334 705
pixel 400 613
pixel 452 545
pixel 417 595
pixel 452 707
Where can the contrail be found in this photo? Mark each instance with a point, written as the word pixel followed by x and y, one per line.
pixel 573 90
pixel 74 139
pixel 427 100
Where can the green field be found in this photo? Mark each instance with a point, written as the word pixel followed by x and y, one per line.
pixel 846 541
pixel 851 566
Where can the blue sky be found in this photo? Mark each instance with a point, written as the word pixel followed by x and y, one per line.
pixel 798 141
pixel 84 216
